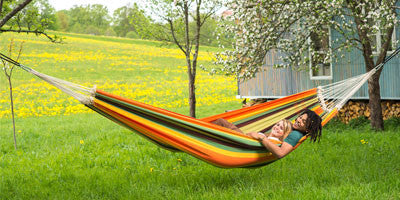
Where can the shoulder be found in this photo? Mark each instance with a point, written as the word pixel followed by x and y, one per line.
pixel 293 137
pixel 296 133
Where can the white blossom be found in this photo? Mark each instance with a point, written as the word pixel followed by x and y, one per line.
pixel 287 26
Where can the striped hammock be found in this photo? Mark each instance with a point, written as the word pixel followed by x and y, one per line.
pixel 200 138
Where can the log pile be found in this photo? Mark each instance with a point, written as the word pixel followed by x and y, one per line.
pixel 356 109
pixel 352 109
pixel 252 102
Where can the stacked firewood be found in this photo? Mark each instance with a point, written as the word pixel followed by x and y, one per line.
pixel 356 109
pixel 353 109
pixel 252 102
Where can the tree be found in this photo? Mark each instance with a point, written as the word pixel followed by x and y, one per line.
pixel 62 20
pixel 181 13
pixel 8 70
pixel 297 28
pixel 27 17
pixel 91 19
pixel 212 34
pixel 131 18
pixel 46 13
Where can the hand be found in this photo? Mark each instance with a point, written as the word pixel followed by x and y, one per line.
pixel 257 136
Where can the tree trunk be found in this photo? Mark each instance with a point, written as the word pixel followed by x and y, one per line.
pixel 373 82
pixel 192 95
pixel 374 92
pixel 375 102
pixel 12 110
pixel 191 68
pixel 192 77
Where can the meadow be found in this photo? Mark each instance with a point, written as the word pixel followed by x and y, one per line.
pixel 66 151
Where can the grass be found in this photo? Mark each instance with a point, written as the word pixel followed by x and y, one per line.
pixel 144 72
pixel 81 155
pixel 114 163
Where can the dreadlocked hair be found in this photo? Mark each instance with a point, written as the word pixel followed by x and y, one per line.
pixel 313 125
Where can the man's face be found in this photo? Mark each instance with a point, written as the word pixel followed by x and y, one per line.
pixel 300 123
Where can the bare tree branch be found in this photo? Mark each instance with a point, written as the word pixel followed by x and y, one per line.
pixel 171 25
pixel 188 45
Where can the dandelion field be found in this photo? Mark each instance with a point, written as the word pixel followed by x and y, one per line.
pixel 135 71
pixel 68 152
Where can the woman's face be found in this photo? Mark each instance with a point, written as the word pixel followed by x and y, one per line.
pixel 277 130
pixel 300 123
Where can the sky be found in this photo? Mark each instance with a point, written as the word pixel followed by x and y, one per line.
pixel 110 4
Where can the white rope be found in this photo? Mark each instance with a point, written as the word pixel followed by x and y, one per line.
pixel 335 95
pixel 83 94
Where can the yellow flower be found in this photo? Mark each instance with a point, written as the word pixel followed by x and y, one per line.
pixel 363 141
pixel 82 142
pixel 179 160
pixel 151 170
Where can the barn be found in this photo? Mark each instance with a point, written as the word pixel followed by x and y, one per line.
pixel 272 83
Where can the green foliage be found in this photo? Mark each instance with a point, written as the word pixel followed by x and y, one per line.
pixel 62 20
pixel 213 34
pixel 131 18
pixel 393 124
pixel 47 13
pixel 76 28
pixel 173 21
pixel 28 17
pixel 37 16
pixel 358 122
pixel 94 19
pixel 110 32
pixel 93 30
pixel 90 19
pixel 132 34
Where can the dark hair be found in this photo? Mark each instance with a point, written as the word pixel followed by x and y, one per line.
pixel 313 125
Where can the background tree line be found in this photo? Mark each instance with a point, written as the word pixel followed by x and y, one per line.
pixel 128 21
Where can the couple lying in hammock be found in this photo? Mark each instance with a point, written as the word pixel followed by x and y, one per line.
pixel 308 123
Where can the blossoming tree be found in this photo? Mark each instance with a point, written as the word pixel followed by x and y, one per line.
pixel 296 28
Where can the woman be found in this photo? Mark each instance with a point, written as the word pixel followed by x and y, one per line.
pixel 278 132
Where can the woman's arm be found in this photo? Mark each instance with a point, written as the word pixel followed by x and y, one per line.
pixel 277 151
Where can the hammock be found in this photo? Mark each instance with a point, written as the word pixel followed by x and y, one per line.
pixel 200 138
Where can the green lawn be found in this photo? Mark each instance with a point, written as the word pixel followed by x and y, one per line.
pixel 78 154
pixel 114 163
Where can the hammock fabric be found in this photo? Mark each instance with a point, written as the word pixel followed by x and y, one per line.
pixel 199 137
